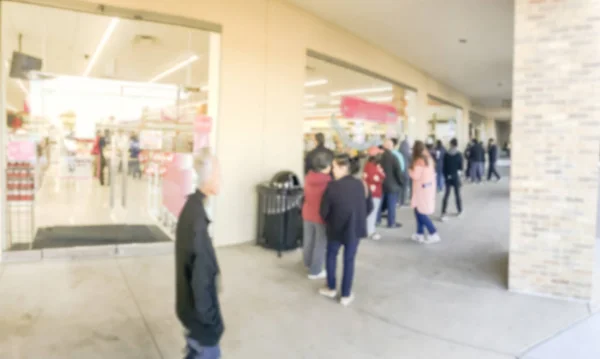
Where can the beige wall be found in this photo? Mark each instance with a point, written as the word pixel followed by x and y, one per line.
pixel 264 44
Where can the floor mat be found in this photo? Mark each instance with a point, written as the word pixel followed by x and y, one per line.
pixel 79 236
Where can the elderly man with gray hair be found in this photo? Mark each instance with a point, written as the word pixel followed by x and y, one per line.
pixel 196 267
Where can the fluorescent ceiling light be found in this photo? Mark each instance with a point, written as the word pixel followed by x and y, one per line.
pixel 314 83
pixel 23 88
pixel 309 96
pixel 381 99
pixel 310 104
pixel 179 66
pixel 107 33
pixel 361 91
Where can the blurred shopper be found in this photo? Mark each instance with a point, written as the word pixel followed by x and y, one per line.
pixel 104 142
pixel 373 176
pixel 403 169
pixel 440 153
pixel 392 185
pixel 405 150
pixel 477 159
pixel 308 160
pixel 492 158
pixel 134 157
pixel 345 207
pixel 422 173
pixel 196 268
pixel 467 155
pixel 453 165
pixel 315 236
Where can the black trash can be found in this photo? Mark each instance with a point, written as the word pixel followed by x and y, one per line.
pixel 280 212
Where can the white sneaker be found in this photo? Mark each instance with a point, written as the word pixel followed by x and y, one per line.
pixel 433 239
pixel 419 238
pixel 321 275
pixel 329 293
pixel 345 301
pixel 444 218
pixel 460 214
pixel 376 236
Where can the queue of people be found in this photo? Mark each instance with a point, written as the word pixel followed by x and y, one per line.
pixel 340 208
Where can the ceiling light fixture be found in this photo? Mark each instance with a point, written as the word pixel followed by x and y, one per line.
pixel 23 88
pixel 179 66
pixel 314 83
pixel 107 33
pixel 381 99
pixel 362 91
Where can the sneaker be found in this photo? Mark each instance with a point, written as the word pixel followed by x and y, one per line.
pixel 419 238
pixel 444 218
pixel 345 301
pixel 321 275
pixel 396 225
pixel 460 215
pixel 376 236
pixel 433 239
pixel 329 293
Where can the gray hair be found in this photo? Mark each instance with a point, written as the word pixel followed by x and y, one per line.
pixel 203 166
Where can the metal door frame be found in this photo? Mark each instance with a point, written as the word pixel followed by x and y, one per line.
pixel 81 7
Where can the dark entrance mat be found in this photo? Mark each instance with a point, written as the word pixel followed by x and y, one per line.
pixel 80 236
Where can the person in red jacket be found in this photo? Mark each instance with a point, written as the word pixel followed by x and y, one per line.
pixel 315 237
pixel 374 175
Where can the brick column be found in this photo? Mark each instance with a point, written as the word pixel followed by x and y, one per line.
pixel 555 147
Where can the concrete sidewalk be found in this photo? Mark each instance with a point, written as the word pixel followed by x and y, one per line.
pixel 441 301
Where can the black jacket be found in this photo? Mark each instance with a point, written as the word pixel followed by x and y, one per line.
pixel 196 271
pixel 309 157
pixel 453 162
pixel 394 179
pixel 477 153
pixel 493 153
pixel 344 208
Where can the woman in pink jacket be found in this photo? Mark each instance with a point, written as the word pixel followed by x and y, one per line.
pixel 422 173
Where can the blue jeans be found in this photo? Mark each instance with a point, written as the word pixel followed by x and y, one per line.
pixel 440 181
pixel 423 221
pixel 197 351
pixel 390 201
pixel 350 249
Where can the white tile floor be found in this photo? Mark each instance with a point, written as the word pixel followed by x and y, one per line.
pixel 445 301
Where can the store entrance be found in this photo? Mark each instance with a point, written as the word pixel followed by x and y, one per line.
pixel 102 116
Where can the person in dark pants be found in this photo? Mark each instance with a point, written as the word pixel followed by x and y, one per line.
pixel 197 269
pixel 406 152
pixel 492 158
pixel 392 185
pixel 453 165
pixel 102 144
pixel 440 153
pixel 477 161
pixel 345 206
pixel 308 160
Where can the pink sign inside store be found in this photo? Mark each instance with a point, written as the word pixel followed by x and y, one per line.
pixel 353 107
pixel 177 182
pixel 21 151
pixel 202 128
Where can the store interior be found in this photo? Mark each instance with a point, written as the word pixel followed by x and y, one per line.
pixel 443 120
pixel 328 83
pixel 88 94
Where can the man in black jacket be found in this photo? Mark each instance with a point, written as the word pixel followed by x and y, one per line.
pixel 392 185
pixel 477 159
pixel 197 269
pixel 308 160
pixel 492 158
pixel 453 165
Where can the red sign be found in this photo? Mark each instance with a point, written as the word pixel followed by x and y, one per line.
pixel 352 107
